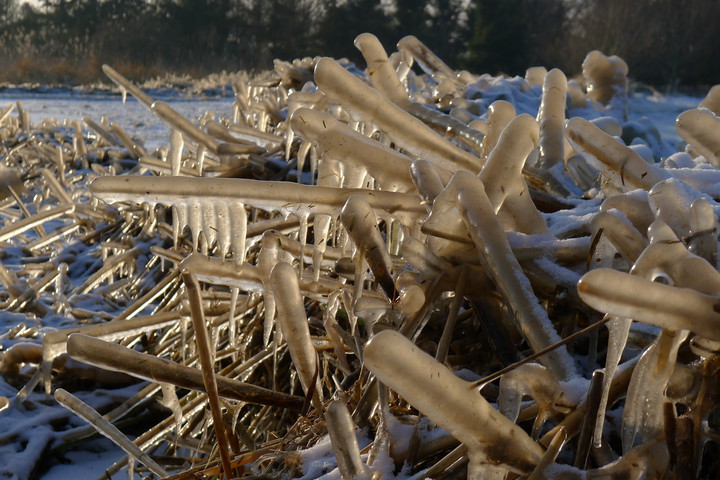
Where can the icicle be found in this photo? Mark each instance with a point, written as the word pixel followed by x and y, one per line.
pixel 195 221
pixel 618 330
pixel 535 380
pixel 342 435
pixel 361 223
pixel 336 141
pixel 293 322
pixel 646 393
pixel 223 233
pixel 238 229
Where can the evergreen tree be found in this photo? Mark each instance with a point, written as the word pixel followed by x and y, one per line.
pixel 511 35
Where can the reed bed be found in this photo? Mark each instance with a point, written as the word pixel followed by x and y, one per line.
pixel 368 274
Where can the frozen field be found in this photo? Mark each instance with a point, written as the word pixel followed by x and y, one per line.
pixel 137 120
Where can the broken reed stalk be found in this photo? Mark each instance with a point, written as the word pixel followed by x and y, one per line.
pixel 117 358
pixel 208 371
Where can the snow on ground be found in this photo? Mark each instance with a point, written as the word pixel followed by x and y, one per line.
pixel 133 116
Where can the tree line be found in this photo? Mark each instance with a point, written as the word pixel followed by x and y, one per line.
pixel 665 42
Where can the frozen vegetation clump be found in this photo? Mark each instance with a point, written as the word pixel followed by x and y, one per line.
pixel 403 272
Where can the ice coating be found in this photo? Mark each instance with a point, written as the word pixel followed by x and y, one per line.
pixel 175 120
pixel 426 180
pixel 207 364
pixel 335 140
pixel 551 118
pixel 703 230
pixel 634 205
pixel 360 222
pixel 127 86
pixel 495 253
pixel 502 173
pixel 700 128
pixel 646 393
pixel 382 74
pixel 651 302
pixel 449 401
pixel 272 196
pixel 606 81
pixel 294 325
pixel 712 100
pixel 342 435
pixel 115 357
pixel 631 168
pixel 425 57
pixel 409 132
pixel 87 413
pixel 536 381
pixel 670 201
pixel 535 76
pixel 499 115
pixel 98 262
pixel 621 232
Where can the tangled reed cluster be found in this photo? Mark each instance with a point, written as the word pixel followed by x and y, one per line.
pixel 370 274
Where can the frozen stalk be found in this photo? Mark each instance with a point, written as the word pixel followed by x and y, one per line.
pixel 606 80
pixel 107 429
pixel 620 232
pixel 177 121
pixel 499 115
pixel 551 117
pixel 335 140
pixel 344 441
pixel 426 58
pixel 497 257
pixel 207 363
pixel 384 78
pixel 674 308
pixel 670 201
pixel 272 196
pixel 452 403
pixel 628 165
pixel 703 231
pixel 366 103
pixel 504 183
pixel 700 128
pixel 115 357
